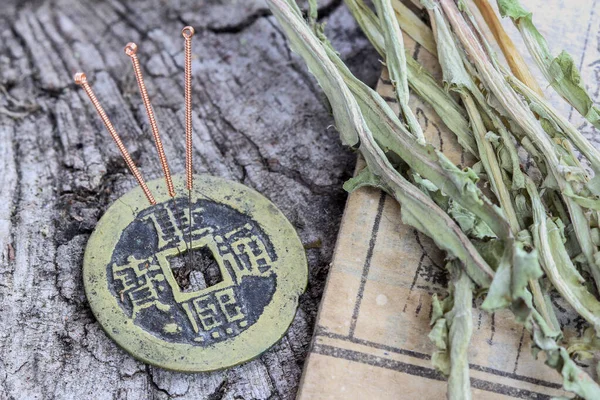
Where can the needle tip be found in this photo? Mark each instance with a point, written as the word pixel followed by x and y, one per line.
pixel 131 49
pixel 188 32
pixel 80 78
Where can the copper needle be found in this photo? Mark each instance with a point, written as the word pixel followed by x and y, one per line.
pixel 131 50
pixel 81 80
pixel 187 33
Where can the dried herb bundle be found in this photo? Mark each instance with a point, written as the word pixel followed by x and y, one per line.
pixel 538 232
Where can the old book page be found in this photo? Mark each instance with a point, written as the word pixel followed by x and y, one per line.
pixel 371 336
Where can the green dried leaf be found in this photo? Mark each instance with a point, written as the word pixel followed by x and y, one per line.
pixel 439 307
pixel 499 296
pixel 451 334
pixel 363 178
pixel 526 266
pixel 334 87
pixel 453 70
pixel 561 72
pixel 366 123
pixel 392 136
pixel 395 59
pixel 545 109
pixel 439 334
pixel 469 222
pixel 440 359
pixel 585 346
pixel 557 264
pixel 460 321
pixel 586 202
pixel 418 210
pixel 522 115
pixel 419 80
pixel 574 379
pixel 459 80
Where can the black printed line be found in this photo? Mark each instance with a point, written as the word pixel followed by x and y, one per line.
pixel 414 282
pixel 508 390
pixel 516 377
pixel 419 306
pixel 417 370
pixel 371 359
pixel 320 331
pixel 391 349
pixel 367 265
pixel 519 351
pixel 493 329
pixel 587 35
pixel 418 240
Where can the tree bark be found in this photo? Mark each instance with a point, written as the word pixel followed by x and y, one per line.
pixel 259 119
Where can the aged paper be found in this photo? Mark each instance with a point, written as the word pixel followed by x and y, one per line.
pixel 371 337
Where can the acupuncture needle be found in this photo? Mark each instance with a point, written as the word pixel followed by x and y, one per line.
pixel 81 80
pixel 131 50
pixel 187 33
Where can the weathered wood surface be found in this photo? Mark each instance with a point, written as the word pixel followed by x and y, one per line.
pixel 259 119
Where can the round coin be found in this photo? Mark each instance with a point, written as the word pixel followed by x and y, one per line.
pixel 223 303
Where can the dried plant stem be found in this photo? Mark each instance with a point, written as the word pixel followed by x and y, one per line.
pixel 414 27
pixel 495 248
pixel 395 58
pixel 521 115
pixel 513 57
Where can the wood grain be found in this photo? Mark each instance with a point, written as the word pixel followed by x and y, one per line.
pixel 259 119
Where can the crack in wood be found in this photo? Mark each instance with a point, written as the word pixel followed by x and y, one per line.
pixel 61 172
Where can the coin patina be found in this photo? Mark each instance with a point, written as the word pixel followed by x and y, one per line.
pixel 194 316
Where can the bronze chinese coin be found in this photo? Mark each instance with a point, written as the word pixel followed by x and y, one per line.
pixel 224 302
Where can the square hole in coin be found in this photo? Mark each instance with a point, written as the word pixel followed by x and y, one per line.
pixel 197 271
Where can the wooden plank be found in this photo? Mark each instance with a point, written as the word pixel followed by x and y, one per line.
pixel 258 119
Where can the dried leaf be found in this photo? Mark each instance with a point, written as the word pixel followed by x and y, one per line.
pixel 561 72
